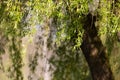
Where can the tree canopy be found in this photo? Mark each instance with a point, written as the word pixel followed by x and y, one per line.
pixel 74 23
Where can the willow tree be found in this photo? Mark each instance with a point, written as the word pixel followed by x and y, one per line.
pixel 82 22
pixel 79 22
pixel 12 19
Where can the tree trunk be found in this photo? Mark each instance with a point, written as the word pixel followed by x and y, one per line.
pixel 95 52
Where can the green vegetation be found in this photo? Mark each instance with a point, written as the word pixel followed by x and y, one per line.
pixel 81 34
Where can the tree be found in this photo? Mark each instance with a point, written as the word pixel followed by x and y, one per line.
pixel 78 24
pixel 83 27
pixel 11 26
pixel 94 52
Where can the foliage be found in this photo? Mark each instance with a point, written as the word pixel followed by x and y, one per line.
pixel 18 16
pixel 115 59
pixel 70 15
pixel 69 64
pixel 109 23
pixel 11 19
pixel 15 56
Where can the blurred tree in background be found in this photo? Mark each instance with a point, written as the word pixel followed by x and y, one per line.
pixel 64 39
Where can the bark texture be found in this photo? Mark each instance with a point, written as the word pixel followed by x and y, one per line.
pixel 95 52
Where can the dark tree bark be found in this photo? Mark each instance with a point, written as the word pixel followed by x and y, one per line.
pixel 95 52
